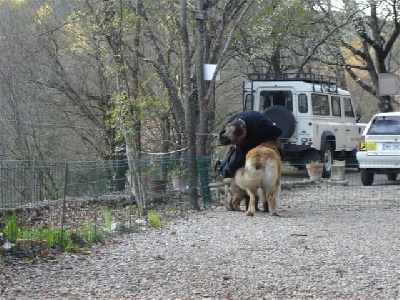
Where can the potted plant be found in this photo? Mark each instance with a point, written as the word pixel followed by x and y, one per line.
pixel 179 178
pixel 144 176
pixel 157 180
pixel 315 170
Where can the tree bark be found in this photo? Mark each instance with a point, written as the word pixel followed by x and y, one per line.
pixel 190 108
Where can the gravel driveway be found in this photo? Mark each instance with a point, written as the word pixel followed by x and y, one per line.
pixel 216 254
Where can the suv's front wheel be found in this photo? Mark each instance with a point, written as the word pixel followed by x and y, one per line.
pixel 367 177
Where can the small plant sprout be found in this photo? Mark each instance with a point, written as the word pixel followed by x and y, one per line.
pixel 155 220
pixel 11 230
pixel 107 219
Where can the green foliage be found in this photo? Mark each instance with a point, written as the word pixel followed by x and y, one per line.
pixel 178 167
pixel 92 234
pixel 155 220
pixel 55 237
pixel 11 230
pixel 83 238
pixel 182 208
pixel 127 113
pixel 314 162
pixel 51 237
pixel 274 23
pixel 107 219
pixel 71 247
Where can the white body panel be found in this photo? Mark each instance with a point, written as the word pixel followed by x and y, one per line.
pixel 386 151
pixel 309 126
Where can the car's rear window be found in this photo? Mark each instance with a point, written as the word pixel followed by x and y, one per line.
pixel 385 125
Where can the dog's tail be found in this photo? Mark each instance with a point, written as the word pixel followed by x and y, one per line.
pixel 250 180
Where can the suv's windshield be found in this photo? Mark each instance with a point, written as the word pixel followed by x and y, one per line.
pixel 385 125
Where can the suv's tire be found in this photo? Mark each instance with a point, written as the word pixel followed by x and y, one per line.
pixel 327 159
pixel 283 118
pixel 392 176
pixel 367 177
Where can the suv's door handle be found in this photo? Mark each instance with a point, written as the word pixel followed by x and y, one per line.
pixel 347 129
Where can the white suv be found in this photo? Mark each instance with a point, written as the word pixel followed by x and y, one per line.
pixel 317 118
pixel 379 147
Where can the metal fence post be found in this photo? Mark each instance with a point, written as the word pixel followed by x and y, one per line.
pixel 203 167
pixel 64 204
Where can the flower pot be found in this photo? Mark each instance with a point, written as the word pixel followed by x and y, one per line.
pixel 315 171
pixel 338 171
pixel 144 179
pixel 180 183
pixel 157 185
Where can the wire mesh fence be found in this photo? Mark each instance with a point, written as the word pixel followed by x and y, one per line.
pixel 73 195
pixel 25 184
pixel 31 183
pixel 97 196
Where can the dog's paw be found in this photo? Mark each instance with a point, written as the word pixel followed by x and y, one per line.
pixel 249 214
pixel 236 208
pixel 228 207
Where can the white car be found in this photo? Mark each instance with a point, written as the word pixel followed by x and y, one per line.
pixel 317 117
pixel 379 147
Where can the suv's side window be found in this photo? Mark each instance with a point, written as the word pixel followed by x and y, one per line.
pixel 303 104
pixel 320 105
pixel 248 102
pixel 336 112
pixel 348 108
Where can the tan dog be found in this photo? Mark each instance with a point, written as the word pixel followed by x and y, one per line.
pixel 236 195
pixel 262 171
pixel 234 192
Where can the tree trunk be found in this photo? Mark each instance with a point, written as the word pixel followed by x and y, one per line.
pixel 190 110
pixel 200 25
pixel 203 105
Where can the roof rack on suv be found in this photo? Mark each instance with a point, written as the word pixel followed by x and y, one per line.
pixel 326 83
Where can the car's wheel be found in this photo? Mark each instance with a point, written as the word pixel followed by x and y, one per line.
pixel 327 159
pixel 367 177
pixel 392 176
pixel 283 118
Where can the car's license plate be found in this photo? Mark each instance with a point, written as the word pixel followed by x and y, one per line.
pixel 368 146
pixel 391 146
